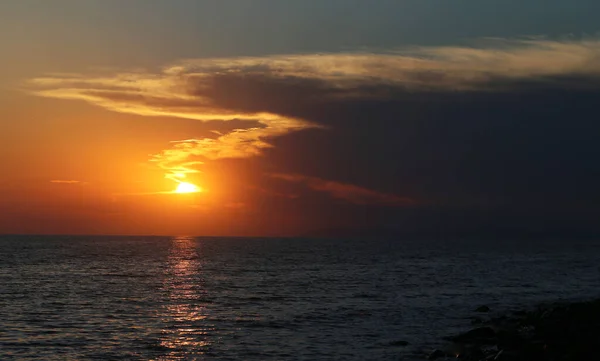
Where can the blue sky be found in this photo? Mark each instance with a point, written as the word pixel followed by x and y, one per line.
pixel 142 32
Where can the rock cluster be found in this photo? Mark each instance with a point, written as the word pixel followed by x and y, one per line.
pixel 565 332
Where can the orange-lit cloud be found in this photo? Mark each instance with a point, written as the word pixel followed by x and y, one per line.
pixel 257 89
pixel 186 89
pixel 273 193
pixel 348 192
pixel 239 143
pixel 59 181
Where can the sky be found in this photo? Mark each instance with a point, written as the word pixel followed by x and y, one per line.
pixel 412 118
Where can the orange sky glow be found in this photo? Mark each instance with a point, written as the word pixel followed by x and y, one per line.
pixel 109 134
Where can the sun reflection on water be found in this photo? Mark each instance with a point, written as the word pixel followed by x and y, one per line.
pixel 186 331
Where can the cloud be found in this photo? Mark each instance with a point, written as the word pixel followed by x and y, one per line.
pixel 187 89
pixel 239 143
pixel 59 181
pixel 348 192
pixel 505 126
pixel 254 88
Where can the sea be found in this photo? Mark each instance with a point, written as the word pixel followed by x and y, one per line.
pixel 203 298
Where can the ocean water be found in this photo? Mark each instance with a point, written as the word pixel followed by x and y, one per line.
pixel 181 298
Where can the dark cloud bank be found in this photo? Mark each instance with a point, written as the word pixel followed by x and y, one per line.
pixel 501 163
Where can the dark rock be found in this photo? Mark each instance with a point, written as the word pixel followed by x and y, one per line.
pixel 509 339
pixel 436 354
pixel 472 354
pixel 476 321
pixel 504 355
pixel 479 335
pixel 483 308
pixel 566 332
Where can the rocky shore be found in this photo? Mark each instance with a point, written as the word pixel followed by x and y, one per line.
pixel 551 332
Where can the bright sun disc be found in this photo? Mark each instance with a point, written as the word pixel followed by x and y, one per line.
pixel 184 187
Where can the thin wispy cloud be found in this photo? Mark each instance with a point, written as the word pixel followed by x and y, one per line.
pixel 348 192
pixel 61 181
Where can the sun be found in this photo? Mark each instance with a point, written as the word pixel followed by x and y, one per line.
pixel 185 187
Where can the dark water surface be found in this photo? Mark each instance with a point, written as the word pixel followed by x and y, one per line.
pixel 160 298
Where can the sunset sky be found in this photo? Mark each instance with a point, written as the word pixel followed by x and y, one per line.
pixel 300 117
